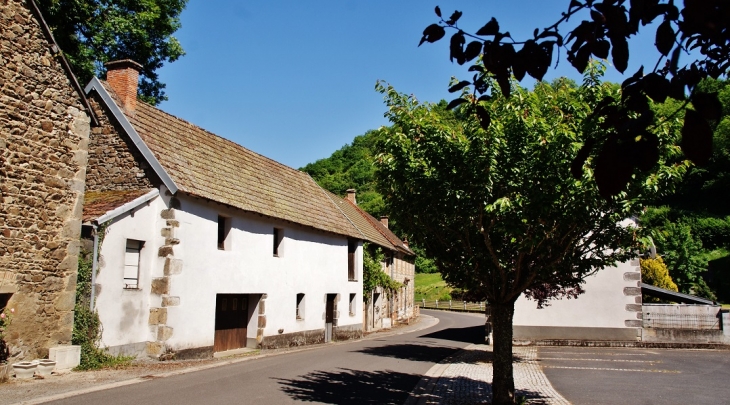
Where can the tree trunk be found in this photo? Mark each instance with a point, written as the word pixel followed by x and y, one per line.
pixel 503 383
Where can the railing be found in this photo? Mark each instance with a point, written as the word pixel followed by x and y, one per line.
pixel 450 305
pixel 681 321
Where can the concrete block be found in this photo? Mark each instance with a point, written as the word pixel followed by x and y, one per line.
pixel 173 266
pixel 158 316
pixel 164 333
pixel 632 291
pixel 66 357
pixel 160 285
pixel 170 301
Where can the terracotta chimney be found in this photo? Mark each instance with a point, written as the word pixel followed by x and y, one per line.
pixel 384 220
pixel 123 77
pixel 351 195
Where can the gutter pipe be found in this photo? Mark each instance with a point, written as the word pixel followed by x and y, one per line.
pixel 94 265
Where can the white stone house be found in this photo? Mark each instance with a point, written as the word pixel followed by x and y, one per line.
pixel 608 310
pixel 205 246
pixel 385 310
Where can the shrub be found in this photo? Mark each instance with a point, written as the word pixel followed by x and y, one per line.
pixel 655 272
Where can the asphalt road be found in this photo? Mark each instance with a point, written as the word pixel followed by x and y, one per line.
pixel 377 371
pixel 608 376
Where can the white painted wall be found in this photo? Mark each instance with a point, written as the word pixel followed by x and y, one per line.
pixel 124 313
pixel 602 305
pixel 310 262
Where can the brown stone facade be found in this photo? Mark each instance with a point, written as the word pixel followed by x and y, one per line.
pixel 44 133
pixel 114 162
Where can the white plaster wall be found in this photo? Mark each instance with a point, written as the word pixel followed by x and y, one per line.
pixel 310 262
pixel 124 314
pixel 602 305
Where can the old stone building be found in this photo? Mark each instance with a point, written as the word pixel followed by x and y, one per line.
pixel 385 310
pixel 44 128
pixel 208 246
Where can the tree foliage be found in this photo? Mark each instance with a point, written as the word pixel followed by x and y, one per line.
pixel 628 121
pixel 93 32
pixel 655 272
pixel 373 274
pixel 351 167
pixel 497 206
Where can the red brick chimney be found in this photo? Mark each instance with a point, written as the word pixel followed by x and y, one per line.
pixel 351 195
pixel 384 220
pixel 123 77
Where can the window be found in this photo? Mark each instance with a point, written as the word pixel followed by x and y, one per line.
pixel 131 264
pixel 278 237
pixel 351 249
pixel 300 306
pixel 352 304
pixel 224 228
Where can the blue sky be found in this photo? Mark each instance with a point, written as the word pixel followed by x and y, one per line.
pixel 294 80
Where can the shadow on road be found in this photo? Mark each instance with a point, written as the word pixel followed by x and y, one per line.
pixel 411 352
pixel 386 387
pixel 471 334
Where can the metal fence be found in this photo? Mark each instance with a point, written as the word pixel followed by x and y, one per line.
pixel 681 321
pixel 453 305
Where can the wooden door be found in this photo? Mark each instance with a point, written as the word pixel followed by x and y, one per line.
pixel 231 319
pixel 329 317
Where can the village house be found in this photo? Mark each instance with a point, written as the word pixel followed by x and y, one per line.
pixel 204 246
pixel 383 311
pixel 44 128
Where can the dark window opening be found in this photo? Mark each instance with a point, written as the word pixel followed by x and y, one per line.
pixel 224 228
pixel 278 237
pixel 352 304
pixel 300 306
pixel 351 249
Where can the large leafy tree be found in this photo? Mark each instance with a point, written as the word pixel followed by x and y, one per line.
pixel 93 32
pixel 498 207
pixel 606 27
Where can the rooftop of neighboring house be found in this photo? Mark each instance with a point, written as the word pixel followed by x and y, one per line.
pixel 374 230
pixel 98 203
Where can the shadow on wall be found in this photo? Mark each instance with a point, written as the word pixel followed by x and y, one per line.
pixel 347 386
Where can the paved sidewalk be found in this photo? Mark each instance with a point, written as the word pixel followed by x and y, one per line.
pixel 466 377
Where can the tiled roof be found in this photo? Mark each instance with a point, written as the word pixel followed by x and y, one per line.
pixel 208 166
pixel 373 230
pixel 98 203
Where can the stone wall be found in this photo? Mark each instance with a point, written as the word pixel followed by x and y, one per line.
pixel 43 152
pixel 114 162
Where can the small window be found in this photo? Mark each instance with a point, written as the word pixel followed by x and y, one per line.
pixel 278 237
pixel 131 264
pixel 300 306
pixel 352 304
pixel 351 249
pixel 224 228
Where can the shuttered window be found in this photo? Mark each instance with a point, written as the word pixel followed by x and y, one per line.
pixel 131 263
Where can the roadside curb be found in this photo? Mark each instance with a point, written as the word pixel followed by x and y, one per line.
pixel 424 322
pixel 620 343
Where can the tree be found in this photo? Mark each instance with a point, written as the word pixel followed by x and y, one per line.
pixel 655 272
pixel 498 208
pixel 93 32
pixel 628 121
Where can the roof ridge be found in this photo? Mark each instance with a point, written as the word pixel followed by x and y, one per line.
pixel 374 222
pixel 326 193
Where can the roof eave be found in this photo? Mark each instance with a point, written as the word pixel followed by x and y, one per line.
pixel 109 215
pixel 95 85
